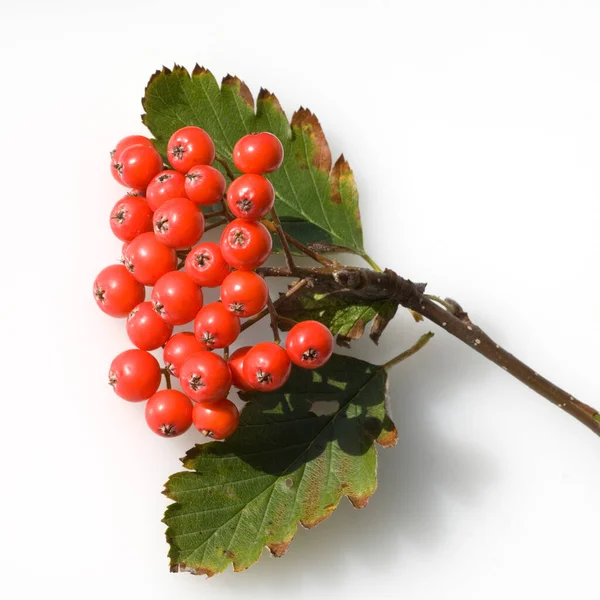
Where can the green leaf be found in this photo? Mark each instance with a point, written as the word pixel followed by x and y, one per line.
pixel 289 462
pixel 345 313
pixel 308 188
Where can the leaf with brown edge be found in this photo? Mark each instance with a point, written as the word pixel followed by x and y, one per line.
pixel 308 189
pixel 297 452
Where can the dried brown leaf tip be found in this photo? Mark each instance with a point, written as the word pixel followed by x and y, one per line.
pixel 389 438
pixel 305 123
pixel 266 97
pixel 235 83
pixel 278 550
pixel 359 501
pixel 198 70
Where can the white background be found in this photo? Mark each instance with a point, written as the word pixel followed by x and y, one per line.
pixel 474 132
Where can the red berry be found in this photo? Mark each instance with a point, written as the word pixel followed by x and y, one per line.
pixel 216 327
pixel 188 147
pixel 116 291
pixel 245 245
pixel 258 153
pixel 178 223
pixel 134 375
pixel 177 299
pixel 244 293
pixel 204 185
pixel 129 217
pixel 266 366
pixel 123 250
pixel 146 329
pixel 115 155
pixel 138 165
pixel 236 366
pixel 250 197
pixel 309 344
pixel 148 259
pixel 165 186
pixel 178 349
pixel 217 420
pixel 128 141
pixel 169 413
pixel 206 266
pixel 205 377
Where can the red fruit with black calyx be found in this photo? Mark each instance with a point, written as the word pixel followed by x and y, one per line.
pixel 129 217
pixel 146 329
pixel 244 293
pixel 245 245
pixel 147 259
pixel 266 366
pixel 138 165
pixel 165 186
pixel 178 223
pixel 309 344
pixel 206 266
pixel 250 197
pixel 134 375
pixel 176 298
pixel 188 147
pixel 216 327
pixel 205 377
pixel 169 413
pixel 126 142
pixel 178 349
pixel 117 292
pixel 204 185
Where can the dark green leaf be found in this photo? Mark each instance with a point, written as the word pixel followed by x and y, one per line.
pixel 308 188
pixel 296 453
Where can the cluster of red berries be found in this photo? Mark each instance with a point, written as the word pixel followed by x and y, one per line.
pixel 161 223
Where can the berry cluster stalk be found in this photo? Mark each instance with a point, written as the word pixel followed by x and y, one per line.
pixel 447 314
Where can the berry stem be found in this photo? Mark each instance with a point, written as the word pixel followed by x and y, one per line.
pixel 226 353
pixel 289 259
pixel 265 311
pixel 225 166
pixel 215 224
pixel 302 247
pixel 167 377
pixel 274 320
pixel 420 343
pixel 215 213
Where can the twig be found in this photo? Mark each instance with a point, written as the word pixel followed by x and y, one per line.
pixel 289 259
pixel 226 353
pixel 274 321
pixel 265 311
pixel 387 285
pixel 226 166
